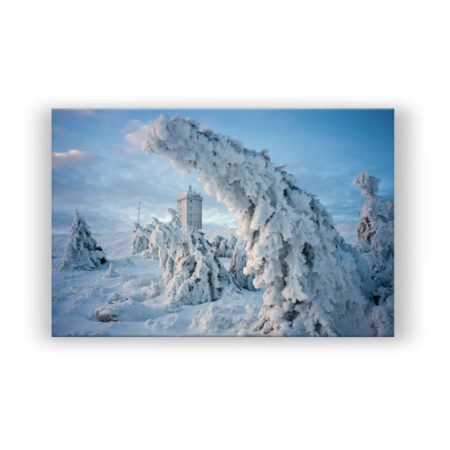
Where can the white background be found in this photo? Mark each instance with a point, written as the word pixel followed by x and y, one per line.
pixel 226 393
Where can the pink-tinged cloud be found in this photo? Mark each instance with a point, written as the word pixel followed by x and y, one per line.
pixel 71 158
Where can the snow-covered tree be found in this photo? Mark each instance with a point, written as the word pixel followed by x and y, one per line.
pixel 316 284
pixel 224 247
pixel 139 242
pixel 237 267
pixel 192 274
pixel 82 251
pixel 376 244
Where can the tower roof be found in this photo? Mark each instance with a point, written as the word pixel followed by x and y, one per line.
pixel 190 194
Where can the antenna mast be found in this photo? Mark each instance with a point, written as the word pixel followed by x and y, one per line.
pixel 139 212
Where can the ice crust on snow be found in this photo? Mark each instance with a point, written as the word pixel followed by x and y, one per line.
pixel 315 283
pixel 82 251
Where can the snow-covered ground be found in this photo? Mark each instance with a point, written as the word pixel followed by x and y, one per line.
pixel 77 295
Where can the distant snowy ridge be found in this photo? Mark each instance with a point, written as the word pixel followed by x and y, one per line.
pixel 315 283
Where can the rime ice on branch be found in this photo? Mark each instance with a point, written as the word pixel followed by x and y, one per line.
pixel 315 283
pixel 191 272
pixel 224 247
pixel 376 226
pixel 237 267
pixel 139 242
pixel 82 251
pixel 376 244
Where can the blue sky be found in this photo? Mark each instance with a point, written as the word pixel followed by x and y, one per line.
pixel 99 169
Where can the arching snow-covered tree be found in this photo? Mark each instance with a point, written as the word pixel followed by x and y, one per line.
pixel 82 251
pixel 237 267
pixel 376 243
pixel 315 283
pixel 192 274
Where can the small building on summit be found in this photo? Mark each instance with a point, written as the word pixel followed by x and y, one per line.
pixel 190 208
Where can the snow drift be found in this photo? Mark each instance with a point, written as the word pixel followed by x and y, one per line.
pixel 82 251
pixel 315 283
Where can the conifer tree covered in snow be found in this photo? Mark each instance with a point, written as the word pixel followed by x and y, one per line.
pixel 315 283
pixel 237 267
pixel 224 247
pixel 139 242
pixel 192 274
pixel 376 243
pixel 82 251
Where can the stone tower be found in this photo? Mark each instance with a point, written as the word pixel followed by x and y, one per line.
pixel 190 208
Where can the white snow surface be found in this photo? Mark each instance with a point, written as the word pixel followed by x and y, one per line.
pixel 78 294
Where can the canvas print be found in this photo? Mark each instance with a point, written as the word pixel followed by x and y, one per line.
pixel 223 222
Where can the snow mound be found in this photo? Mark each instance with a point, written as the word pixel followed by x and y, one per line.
pixel 316 284
pixel 127 309
pixel 82 251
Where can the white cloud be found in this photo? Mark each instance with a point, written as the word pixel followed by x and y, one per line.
pixel 139 133
pixel 70 158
